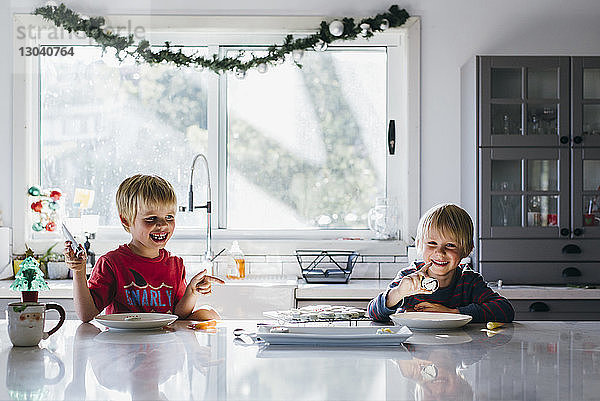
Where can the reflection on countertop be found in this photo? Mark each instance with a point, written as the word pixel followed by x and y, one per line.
pixel 523 360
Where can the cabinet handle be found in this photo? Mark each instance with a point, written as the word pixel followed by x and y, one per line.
pixel 564 139
pixel 578 231
pixel 571 248
pixel 571 272
pixel 539 307
pixel 578 139
pixel 564 232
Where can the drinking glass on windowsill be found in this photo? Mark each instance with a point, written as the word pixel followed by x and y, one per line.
pixel 384 219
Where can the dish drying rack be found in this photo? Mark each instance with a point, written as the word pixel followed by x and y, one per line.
pixel 325 266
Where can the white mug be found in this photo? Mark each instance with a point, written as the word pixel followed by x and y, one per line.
pixel 26 322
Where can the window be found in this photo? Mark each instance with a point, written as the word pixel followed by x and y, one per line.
pixel 306 147
pixel 292 152
pixel 102 121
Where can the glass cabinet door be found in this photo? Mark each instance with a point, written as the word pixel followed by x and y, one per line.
pixel 524 101
pixel 524 191
pixel 586 192
pixel 586 101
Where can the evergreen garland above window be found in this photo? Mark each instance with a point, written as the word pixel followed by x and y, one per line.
pixel 124 46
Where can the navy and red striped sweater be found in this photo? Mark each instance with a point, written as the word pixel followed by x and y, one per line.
pixel 467 292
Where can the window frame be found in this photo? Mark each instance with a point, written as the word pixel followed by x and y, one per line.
pixel 403 106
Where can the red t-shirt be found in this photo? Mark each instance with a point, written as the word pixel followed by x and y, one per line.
pixel 125 282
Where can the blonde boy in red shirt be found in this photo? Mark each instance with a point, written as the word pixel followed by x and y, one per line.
pixel 141 276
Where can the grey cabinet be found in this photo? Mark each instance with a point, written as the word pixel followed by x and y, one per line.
pixel 556 309
pixel 538 122
pixel 524 192
pixel 523 101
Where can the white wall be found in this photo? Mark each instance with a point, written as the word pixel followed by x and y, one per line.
pixel 453 31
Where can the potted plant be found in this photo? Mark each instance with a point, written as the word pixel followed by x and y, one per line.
pixel 30 279
pixel 17 260
pixel 56 266
pixel 46 257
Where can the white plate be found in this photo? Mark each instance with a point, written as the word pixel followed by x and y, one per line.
pixel 136 321
pixel 336 336
pixel 430 320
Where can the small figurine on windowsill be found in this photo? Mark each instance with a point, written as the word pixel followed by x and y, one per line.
pixel 30 279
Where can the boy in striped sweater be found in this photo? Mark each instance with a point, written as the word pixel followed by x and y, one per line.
pixel 444 238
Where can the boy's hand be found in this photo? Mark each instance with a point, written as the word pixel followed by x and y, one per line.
pixel 201 283
pixel 409 285
pixel 73 262
pixel 432 307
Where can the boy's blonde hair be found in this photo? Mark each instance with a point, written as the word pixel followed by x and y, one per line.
pixel 451 221
pixel 143 190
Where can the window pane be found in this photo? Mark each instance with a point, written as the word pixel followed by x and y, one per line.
pixel 591 83
pixel 542 211
pixel 541 119
pixel 307 147
pixel 542 175
pixel 102 121
pixel 506 83
pixel 506 175
pixel 591 119
pixel 506 119
pixel 591 175
pixel 542 83
pixel 506 211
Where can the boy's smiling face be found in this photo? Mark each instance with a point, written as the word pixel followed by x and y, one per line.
pixel 443 253
pixel 151 229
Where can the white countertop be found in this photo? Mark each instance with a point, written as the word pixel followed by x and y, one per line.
pixel 86 361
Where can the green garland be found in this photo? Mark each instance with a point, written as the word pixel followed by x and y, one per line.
pixel 95 28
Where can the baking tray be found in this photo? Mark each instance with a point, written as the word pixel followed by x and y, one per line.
pixel 337 336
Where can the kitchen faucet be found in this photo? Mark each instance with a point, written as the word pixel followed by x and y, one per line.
pixel 207 206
